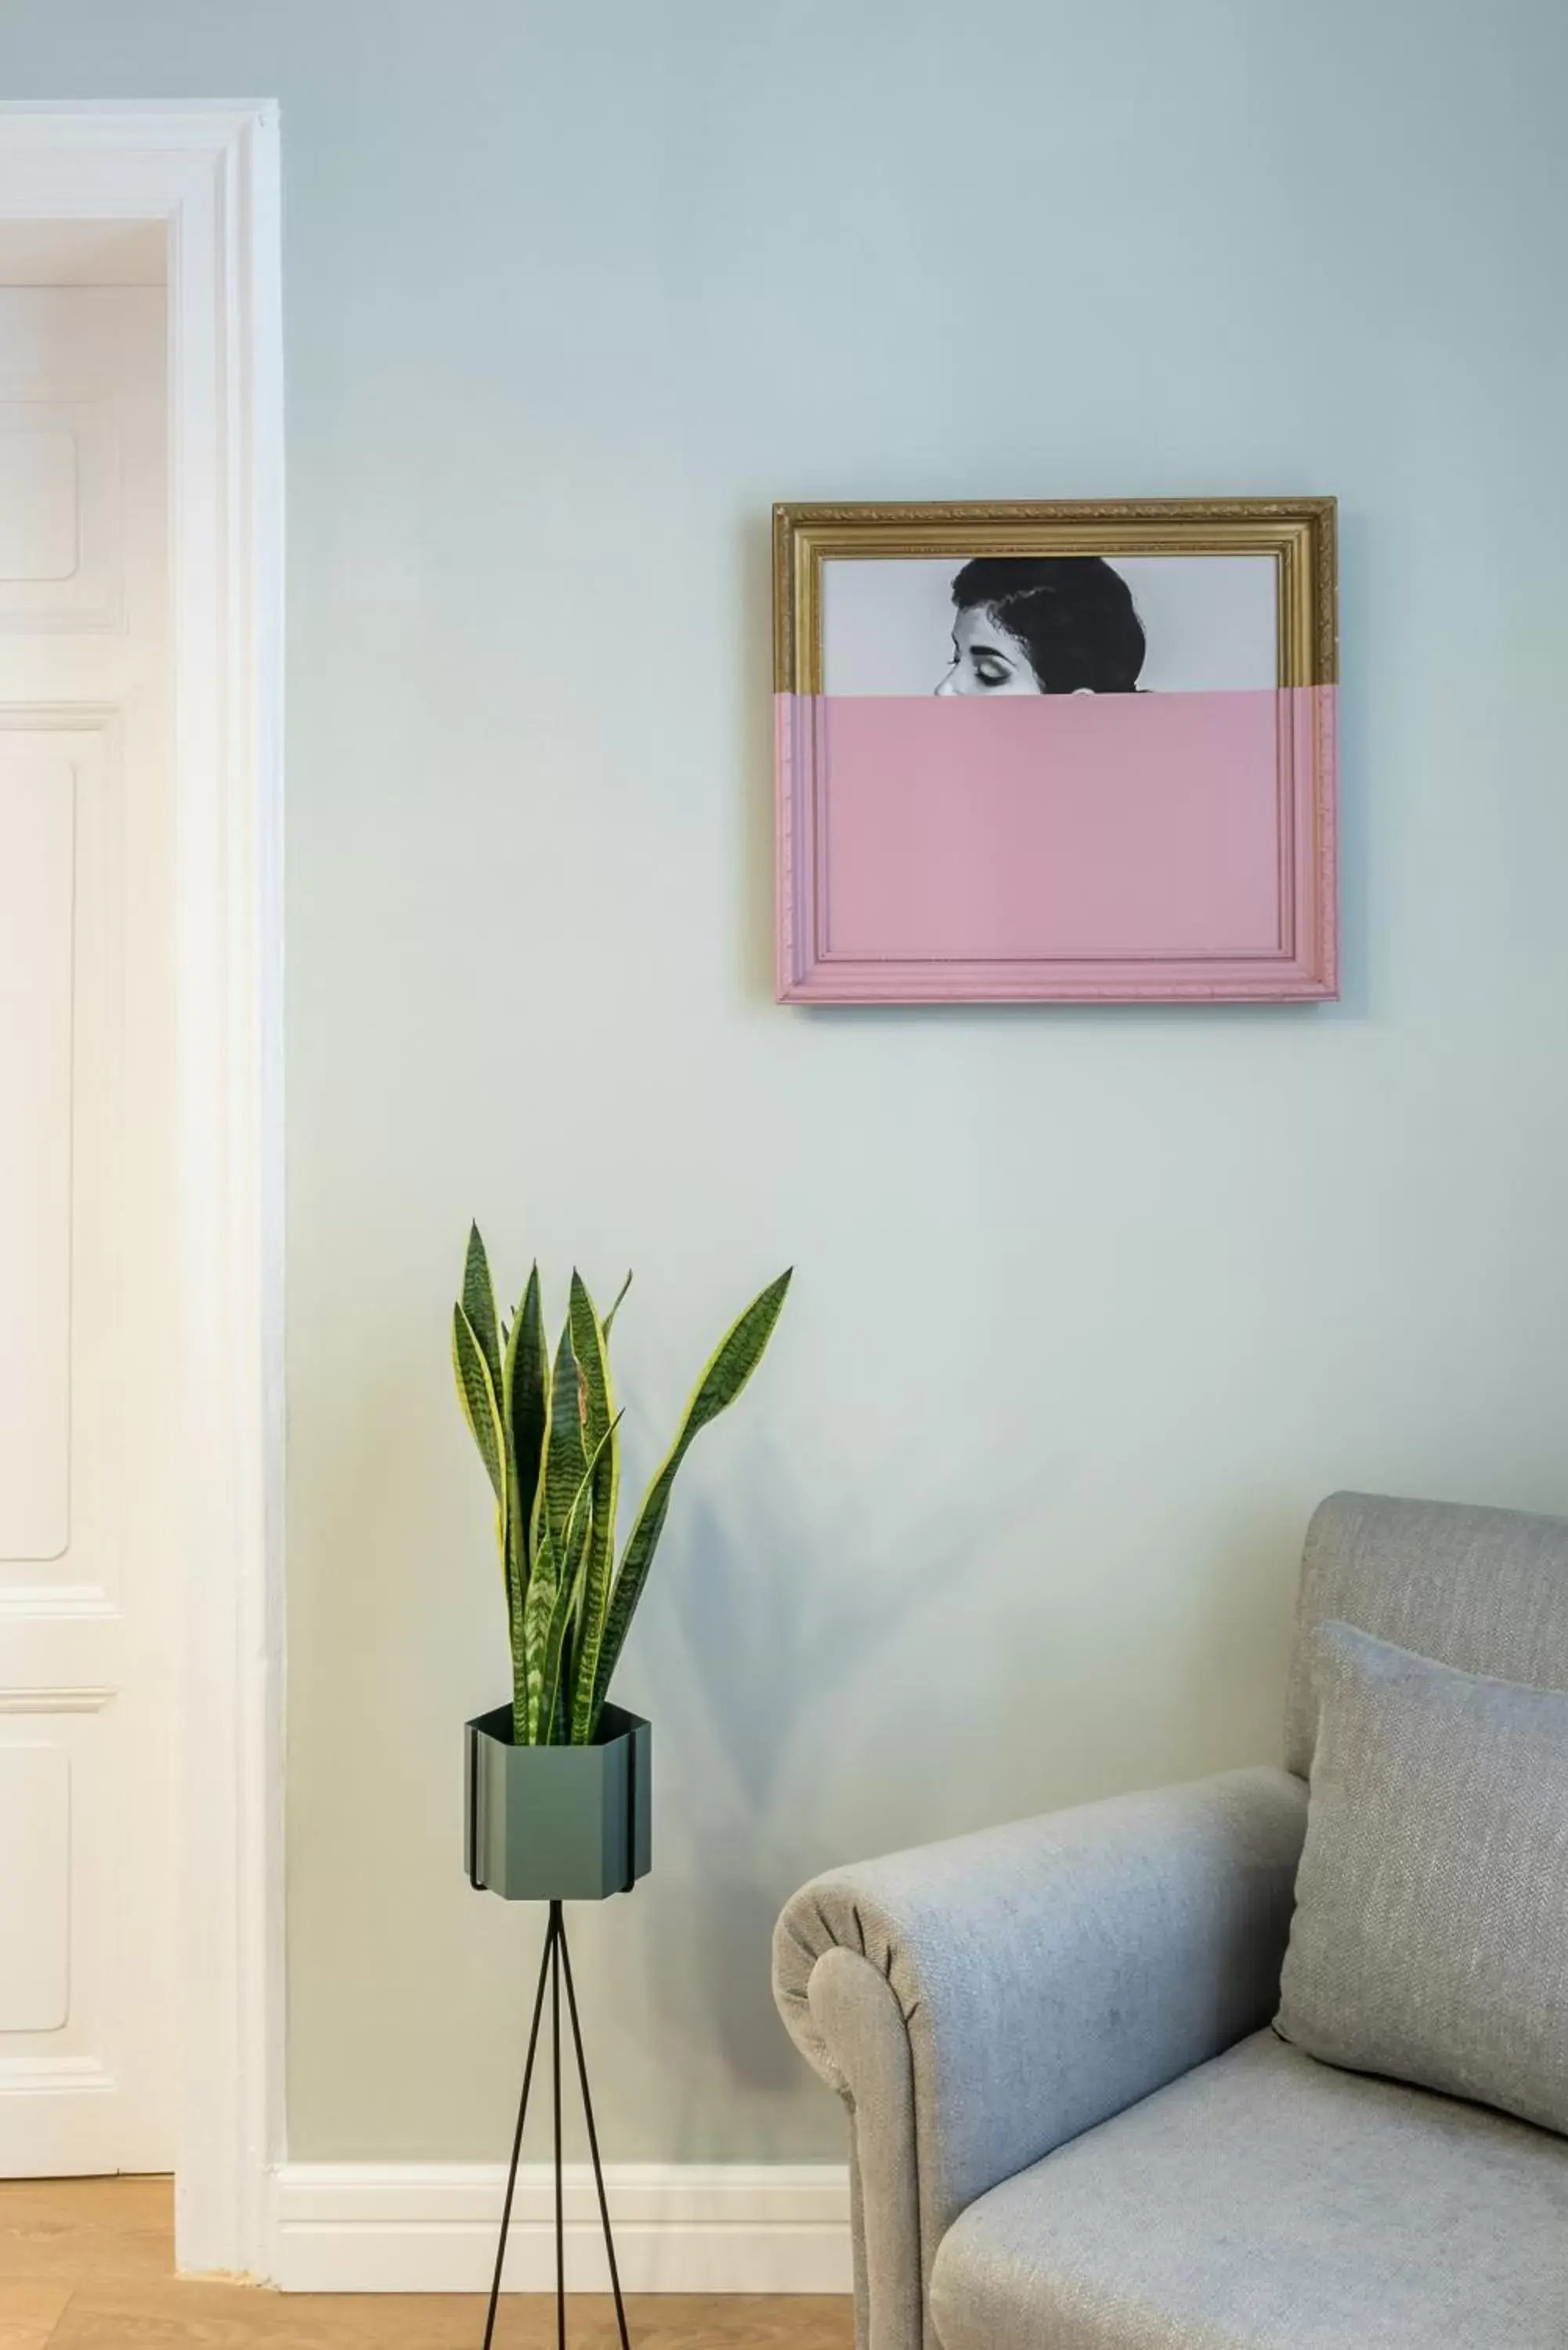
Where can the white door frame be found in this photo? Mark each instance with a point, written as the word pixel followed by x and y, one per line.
pixel 211 175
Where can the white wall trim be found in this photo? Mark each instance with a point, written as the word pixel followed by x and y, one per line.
pixel 210 174
pixel 679 2228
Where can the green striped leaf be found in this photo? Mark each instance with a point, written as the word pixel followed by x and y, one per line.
pixel 538 1607
pixel 547 1627
pixel 525 1381
pixel 728 1368
pixel 554 1720
pixel 599 1425
pixel 476 1393
pixel 479 1305
pixel 565 1457
pixel 615 1309
pixel 516 1605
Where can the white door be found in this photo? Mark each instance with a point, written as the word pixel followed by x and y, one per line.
pixel 87 1221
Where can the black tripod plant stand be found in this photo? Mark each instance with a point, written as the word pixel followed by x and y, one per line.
pixel 557 1823
pixel 555 1967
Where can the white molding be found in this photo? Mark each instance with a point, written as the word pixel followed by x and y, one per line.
pixel 73 1603
pixel 84 1698
pixel 210 174
pixel 52 2076
pixel 679 2228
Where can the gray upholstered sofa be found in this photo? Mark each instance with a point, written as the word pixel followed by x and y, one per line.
pixel 1071 2125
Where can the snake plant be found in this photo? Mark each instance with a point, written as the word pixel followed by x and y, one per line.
pixel 548 1433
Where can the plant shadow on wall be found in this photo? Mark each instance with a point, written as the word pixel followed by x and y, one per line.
pixel 761 1673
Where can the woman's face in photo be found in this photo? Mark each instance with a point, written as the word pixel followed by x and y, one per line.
pixel 987 657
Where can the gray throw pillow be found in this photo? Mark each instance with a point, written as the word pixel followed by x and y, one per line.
pixel 1430 1936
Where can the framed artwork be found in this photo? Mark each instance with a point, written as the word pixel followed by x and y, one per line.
pixel 1061 753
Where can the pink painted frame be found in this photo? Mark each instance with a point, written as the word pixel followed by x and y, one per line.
pixel 1301 966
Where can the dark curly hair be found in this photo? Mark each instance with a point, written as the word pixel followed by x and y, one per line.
pixel 1071 613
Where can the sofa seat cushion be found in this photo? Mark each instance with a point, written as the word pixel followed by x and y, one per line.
pixel 1268 2202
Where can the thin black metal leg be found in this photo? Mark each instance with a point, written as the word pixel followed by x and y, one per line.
pixel 554 1961
pixel 546 1970
pixel 565 1961
pixel 556 2099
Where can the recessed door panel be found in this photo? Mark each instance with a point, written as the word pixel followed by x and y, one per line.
pixel 35 1853
pixel 38 856
pixel 87 1223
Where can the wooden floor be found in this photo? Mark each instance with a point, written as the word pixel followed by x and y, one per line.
pixel 87 2264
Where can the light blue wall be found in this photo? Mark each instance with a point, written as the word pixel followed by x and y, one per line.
pixel 1091 1305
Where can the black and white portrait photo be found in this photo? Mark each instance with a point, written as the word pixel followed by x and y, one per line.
pixel 1011 624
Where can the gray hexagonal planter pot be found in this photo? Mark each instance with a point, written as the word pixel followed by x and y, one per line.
pixel 559 1823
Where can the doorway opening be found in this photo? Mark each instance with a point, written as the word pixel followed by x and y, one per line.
pixel 88 1525
pixel 140 698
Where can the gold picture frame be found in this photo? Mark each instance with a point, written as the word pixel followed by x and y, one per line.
pixel 1260 815
pixel 1300 534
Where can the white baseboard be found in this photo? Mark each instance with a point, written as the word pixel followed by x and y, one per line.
pixel 679 2228
pixel 60 2118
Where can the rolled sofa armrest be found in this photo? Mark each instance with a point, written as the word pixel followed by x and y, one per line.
pixel 980 2001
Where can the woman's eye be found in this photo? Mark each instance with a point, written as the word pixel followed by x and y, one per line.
pixel 991 673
